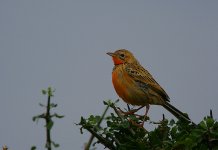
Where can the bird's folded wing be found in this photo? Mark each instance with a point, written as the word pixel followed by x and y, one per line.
pixel 145 79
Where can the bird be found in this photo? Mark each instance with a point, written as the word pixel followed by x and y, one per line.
pixel 136 86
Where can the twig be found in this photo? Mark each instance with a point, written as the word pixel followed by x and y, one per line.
pixel 119 115
pixel 211 113
pixel 48 119
pixel 92 136
pixel 163 117
pixel 101 140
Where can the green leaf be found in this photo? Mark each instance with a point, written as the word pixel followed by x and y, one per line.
pixel 93 120
pixel 52 105
pixel 188 141
pixel 134 118
pixel 58 116
pixel 55 144
pixel 105 103
pixel 172 122
pixel 50 125
pixel 215 134
pixel 44 92
pixel 42 105
pixel 195 135
pixel 108 102
pixel 209 122
pixel 33 148
pixel 50 92
pixel 174 132
pixel 82 121
pixel 36 118
pixel 125 124
pixel 203 125
pixel 197 132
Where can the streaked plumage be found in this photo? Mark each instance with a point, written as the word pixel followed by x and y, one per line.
pixel 136 86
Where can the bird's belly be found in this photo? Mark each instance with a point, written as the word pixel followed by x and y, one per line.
pixel 128 90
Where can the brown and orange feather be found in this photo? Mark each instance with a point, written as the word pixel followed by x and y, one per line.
pixel 136 86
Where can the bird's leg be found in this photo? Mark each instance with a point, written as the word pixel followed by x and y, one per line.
pixel 143 121
pixel 130 111
pixel 146 112
pixel 147 109
pixel 135 110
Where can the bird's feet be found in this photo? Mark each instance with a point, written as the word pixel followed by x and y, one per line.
pixel 138 121
pixel 131 111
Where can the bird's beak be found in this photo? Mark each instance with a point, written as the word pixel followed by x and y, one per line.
pixel 111 54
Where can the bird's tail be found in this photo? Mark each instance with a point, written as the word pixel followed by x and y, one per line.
pixel 177 113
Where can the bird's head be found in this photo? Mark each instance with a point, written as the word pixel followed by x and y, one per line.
pixel 122 56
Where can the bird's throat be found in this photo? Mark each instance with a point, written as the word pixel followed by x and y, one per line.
pixel 117 61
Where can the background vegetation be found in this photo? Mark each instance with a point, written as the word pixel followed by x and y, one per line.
pixel 121 132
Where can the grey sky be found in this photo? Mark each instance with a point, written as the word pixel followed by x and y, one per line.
pixel 63 44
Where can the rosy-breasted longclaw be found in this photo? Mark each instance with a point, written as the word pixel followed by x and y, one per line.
pixel 136 86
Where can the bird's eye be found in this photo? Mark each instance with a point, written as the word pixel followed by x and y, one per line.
pixel 122 55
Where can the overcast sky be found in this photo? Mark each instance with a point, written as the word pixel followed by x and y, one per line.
pixel 63 44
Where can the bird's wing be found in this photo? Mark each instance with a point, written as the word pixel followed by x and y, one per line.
pixel 145 79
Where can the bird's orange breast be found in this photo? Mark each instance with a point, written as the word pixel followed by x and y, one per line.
pixel 126 87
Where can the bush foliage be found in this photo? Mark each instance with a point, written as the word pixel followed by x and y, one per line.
pixel 122 132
